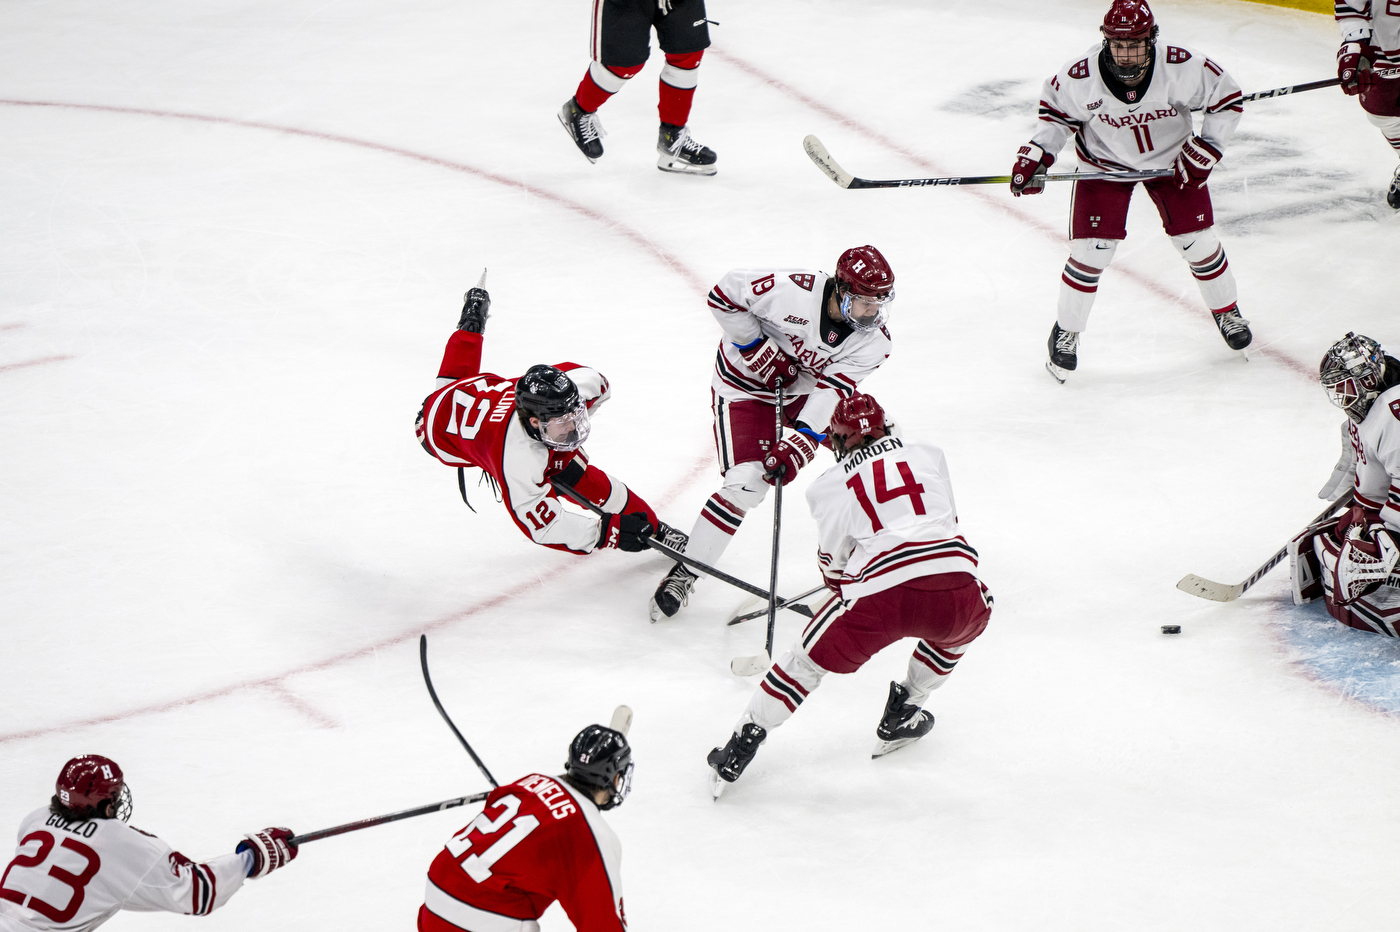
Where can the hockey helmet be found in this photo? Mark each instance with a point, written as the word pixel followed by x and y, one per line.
pixel 1129 20
pixel 1352 372
pixel 865 287
pixel 551 397
pixel 87 783
pixel 856 421
pixel 601 759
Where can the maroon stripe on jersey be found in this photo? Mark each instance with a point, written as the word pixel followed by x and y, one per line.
pixel 204 890
pixel 1050 115
pixel 819 621
pixel 1107 165
pixel 1227 102
pixel 913 552
pixel 725 304
pixel 843 385
pixel 1366 502
pixel 781 697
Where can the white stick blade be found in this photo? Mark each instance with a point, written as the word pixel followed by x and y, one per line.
pixel 823 160
pixel 622 719
pixel 750 666
pixel 1203 588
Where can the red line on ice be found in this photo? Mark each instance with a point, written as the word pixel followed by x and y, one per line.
pixel 33 362
pixel 999 203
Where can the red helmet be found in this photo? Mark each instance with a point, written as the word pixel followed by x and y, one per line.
pixel 1129 19
pixel 865 272
pixel 855 420
pixel 86 782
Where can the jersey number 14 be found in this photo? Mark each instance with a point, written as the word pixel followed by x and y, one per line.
pixel 883 493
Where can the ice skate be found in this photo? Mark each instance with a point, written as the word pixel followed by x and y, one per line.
pixel 728 762
pixel 672 594
pixel 583 128
pixel 677 152
pixel 1233 327
pixel 902 724
pixel 1392 196
pixel 668 536
pixel 1064 352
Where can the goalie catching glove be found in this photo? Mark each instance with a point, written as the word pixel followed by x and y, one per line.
pixel 795 450
pixel 270 850
pixel 1369 555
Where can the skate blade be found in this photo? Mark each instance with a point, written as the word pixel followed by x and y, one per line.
pixel 681 167
pixel 888 747
pixel 1244 353
pixel 717 785
pixel 1056 372
pixel 654 612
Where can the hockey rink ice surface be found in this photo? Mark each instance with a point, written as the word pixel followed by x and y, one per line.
pixel 230 262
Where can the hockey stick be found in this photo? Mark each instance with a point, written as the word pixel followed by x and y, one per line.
pixel 823 160
pixel 782 603
pixel 423 660
pixel 391 817
pixel 1203 588
pixel 1314 85
pixel 679 557
pixel 749 666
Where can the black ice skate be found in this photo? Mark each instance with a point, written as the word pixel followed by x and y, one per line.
pixel 1392 197
pixel 677 152
pixel 673 593
pixel 1234 328
pixel 728 762
pixel 583 128
pixel 902 724
pixel 1064 352
pixel 668 536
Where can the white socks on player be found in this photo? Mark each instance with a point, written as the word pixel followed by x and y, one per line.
pixel 1079 283
pixel 1389 127
pixel 1206 257
pixel 724 512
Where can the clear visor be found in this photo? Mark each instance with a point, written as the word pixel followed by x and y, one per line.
pixel 567 431
pixel 866 312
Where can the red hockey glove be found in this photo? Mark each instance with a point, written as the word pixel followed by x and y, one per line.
pixel 769 364
pixel 626 532
pixel 1194 162
pixel 1028 174
pixel 1349 68
pixel 795 450
pixel 270 850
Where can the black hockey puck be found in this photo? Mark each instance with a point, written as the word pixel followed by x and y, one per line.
pixel 1171 629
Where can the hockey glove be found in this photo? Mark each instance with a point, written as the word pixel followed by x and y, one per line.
pixel 1194 162
pixel 1366 520
pixel 795 450
pixel 270 850
pixel 476 307
pixel 769 364
pixel 626 532
pixel 832 582
pixel 1028 174
pixel 1349 68
pixel 1364 565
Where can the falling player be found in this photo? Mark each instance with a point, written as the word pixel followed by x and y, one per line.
pixel 621 45
pixel 1128 107
pixel 522 434
pixel 1371 39
pixel 1350 561
pixel 538 840
pixel 78 862
pixel 816 335
pixel 890 551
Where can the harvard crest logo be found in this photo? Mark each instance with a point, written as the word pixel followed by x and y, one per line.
pixel 1395 409
pixel 832 337
pixel 804 282
pixel 1176 56
pixel 1080 69
pixel 1132 96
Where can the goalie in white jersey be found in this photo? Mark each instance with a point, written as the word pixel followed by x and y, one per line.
pixel 890 551
pixel 78 862
pixel 816 335
pixel 1128 106
pixel 1371 40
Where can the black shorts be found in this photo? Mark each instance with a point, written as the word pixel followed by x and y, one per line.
pixel 622 30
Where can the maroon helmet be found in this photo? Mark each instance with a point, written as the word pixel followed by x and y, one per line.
pixel 86 783
pixel 856 419
pixel 865 287
pixel 1129 19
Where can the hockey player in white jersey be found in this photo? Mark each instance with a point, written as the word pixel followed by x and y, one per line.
pixel 890 551
pixel 1353 561
pixel 817 336
pixel 1128 106
pixel 1371 40
pixel 78 862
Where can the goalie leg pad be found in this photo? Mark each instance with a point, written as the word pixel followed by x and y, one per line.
pixel 1376 613
pixel 1305 567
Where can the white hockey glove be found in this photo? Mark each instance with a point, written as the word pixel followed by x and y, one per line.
pixel 1363 565
pixel 1344 473
pixel 270 850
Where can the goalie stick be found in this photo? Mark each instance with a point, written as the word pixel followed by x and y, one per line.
pixel 829 167
pixel 736 582
pixel 1204 588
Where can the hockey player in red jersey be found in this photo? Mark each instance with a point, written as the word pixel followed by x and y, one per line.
pixel 621 46
pixel 525 432
pixel 1371 40
pixel 818 336
pixel 538 840
pixel 1352 561
pixel 78 863
pixel 890 551
pixel 1128 106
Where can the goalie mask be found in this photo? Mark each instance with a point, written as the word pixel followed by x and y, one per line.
pixel 1129 34
pixel 1352 373
pixel 549 396
pixel 864 287
pixel 601 759
pixel 87 784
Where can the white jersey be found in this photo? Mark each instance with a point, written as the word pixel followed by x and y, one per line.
pixel 790 306
pixel 74 876
pixel 885 515
pixel 1145 131
pixel 1373 21
pixel 1376 442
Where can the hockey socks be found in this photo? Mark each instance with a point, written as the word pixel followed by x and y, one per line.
pixel 600 82
pixel 678 79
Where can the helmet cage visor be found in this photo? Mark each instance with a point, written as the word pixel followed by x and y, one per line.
pixel 621 786
pixel 865 312
pixel 566 431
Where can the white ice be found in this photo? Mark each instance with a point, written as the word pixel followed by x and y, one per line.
pixel 220 541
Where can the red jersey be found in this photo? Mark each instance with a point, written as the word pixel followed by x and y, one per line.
pixel 537 840
pixel 470 420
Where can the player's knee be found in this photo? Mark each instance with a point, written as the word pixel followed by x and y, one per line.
pixel 612 78
pixel 1094 252
pixel 1197 246
pixel 744 486
pixel 686 60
